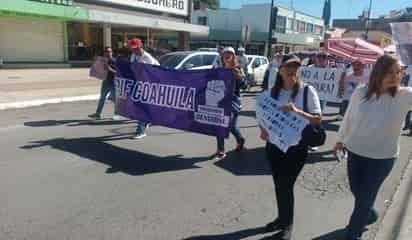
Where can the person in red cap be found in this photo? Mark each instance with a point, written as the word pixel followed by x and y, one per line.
pixel 139 55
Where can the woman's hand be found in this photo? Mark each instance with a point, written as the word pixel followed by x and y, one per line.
pixel 289 107
pixel 338 146
pixel 264 134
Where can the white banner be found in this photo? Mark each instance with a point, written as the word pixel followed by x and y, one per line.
pixel 324 80
pixel 99 68
pixel 284 129
pixel 402 36
pixel 178 7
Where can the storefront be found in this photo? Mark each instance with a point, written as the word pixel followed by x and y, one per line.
pixel 65 31
pixel 35 31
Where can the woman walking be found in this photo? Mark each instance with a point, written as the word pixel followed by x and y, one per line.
pixel 230 62
pixel 289 91
pixel 370 133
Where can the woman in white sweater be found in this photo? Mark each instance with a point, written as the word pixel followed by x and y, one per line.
pixel 370 133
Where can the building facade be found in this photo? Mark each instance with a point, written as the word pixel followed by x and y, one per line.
pixel 73 31
pixel 250 26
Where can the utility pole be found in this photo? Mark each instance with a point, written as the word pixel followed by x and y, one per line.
pixel 368 20
pixel 272 22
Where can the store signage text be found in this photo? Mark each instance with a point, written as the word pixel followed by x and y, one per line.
pixel 178 7
pixel 58 2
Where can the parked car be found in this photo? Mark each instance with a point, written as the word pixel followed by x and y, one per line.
pixel 256 69
pixel 188 60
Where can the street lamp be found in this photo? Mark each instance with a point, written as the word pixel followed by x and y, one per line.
pixel 368 20
pixel 272 22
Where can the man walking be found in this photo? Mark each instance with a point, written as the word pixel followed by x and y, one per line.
pixel 107 86
pixel 139 55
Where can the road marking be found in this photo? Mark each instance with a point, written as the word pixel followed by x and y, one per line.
pixel 40 102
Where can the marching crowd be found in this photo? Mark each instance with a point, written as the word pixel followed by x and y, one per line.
pixel 373 109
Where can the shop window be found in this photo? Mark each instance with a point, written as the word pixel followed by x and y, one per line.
pixel 85 41
pixel 280 24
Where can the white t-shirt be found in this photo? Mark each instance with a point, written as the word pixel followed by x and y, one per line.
pixel 144 58
pixel 352 82
pixel 313 103
pixel 242 61
pixel 372 128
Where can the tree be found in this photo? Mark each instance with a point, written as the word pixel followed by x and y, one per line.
pixel 326 13
pixel 211 4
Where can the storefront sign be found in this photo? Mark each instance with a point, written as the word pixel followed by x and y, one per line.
pixel 284 128
pixel 195 101
pixel 324 80
pixel 178 7
pixel 58 2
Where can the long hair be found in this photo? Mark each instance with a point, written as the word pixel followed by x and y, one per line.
pixel 238 72
pixel 379 73
pixel 279 85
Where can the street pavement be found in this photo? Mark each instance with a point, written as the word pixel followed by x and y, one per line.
pixel 63 176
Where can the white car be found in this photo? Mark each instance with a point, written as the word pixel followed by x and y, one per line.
pixel 188 60
pixel 256 69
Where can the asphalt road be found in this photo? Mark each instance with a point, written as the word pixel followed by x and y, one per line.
pixel 63 176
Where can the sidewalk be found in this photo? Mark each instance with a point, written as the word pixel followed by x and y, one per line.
pixel 397 222
pixel 33 87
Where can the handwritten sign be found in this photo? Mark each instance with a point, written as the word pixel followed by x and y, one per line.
pixel 324 80
pixel 284 128
pixel 402 36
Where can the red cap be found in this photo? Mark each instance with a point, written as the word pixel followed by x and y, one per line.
pixel 136 42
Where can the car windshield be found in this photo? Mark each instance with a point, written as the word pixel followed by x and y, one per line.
pixel 249 59
pixel 171 60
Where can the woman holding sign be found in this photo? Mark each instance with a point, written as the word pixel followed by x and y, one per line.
pixel 230 62
pixel 289 92
pixel 370 133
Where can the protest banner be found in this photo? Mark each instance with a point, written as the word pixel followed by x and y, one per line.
pixel 324 80
pixel 98 69
pixel 196 101
pixel 284 128
pixel 402 36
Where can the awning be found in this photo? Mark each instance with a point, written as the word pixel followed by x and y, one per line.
pixel 354 48
pixel 143 21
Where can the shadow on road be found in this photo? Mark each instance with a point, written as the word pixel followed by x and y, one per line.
pixel 316 157
pixel 248 162
pixel 251 114
pixel 231 236
pixel 335 235
pixel 118 159
pixel 330 125
pixel 75 122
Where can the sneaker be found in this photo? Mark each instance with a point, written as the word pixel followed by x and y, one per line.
pixel 95 116
pixel 240 145
pixel 220 155
pixel 140 136
pixel 313 149
pixel 116 117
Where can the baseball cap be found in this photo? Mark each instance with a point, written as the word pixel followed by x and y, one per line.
pixel 229 49
pixel 241 49
pixel 289 59
pixel 136 42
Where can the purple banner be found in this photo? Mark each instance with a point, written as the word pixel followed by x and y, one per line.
pixel 196 101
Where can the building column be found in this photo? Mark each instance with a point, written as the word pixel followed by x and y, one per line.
pixel 65 43
pixel 267 47
pixel 183 41
pixel 107 35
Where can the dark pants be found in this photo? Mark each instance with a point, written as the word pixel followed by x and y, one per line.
pixel 233 129
pixel 343 107
pixel 107 88
pixel 366 176
pixel 408 120
pixel 285 170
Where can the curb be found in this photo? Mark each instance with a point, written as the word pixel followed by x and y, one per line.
pixel 33 103
pixel 396 224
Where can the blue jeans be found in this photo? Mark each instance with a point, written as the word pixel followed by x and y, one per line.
pixel 141 127
pixel 366 176
pixel 343 107
pixel 234 130
pixel 106 89
pixel 322 105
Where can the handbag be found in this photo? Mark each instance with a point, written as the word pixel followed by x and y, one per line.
pixel 312 135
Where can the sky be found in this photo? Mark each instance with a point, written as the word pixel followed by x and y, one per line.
pixel 340 8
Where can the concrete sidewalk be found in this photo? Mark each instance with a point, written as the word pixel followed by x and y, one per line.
pixel 397 223
pixel 32 87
